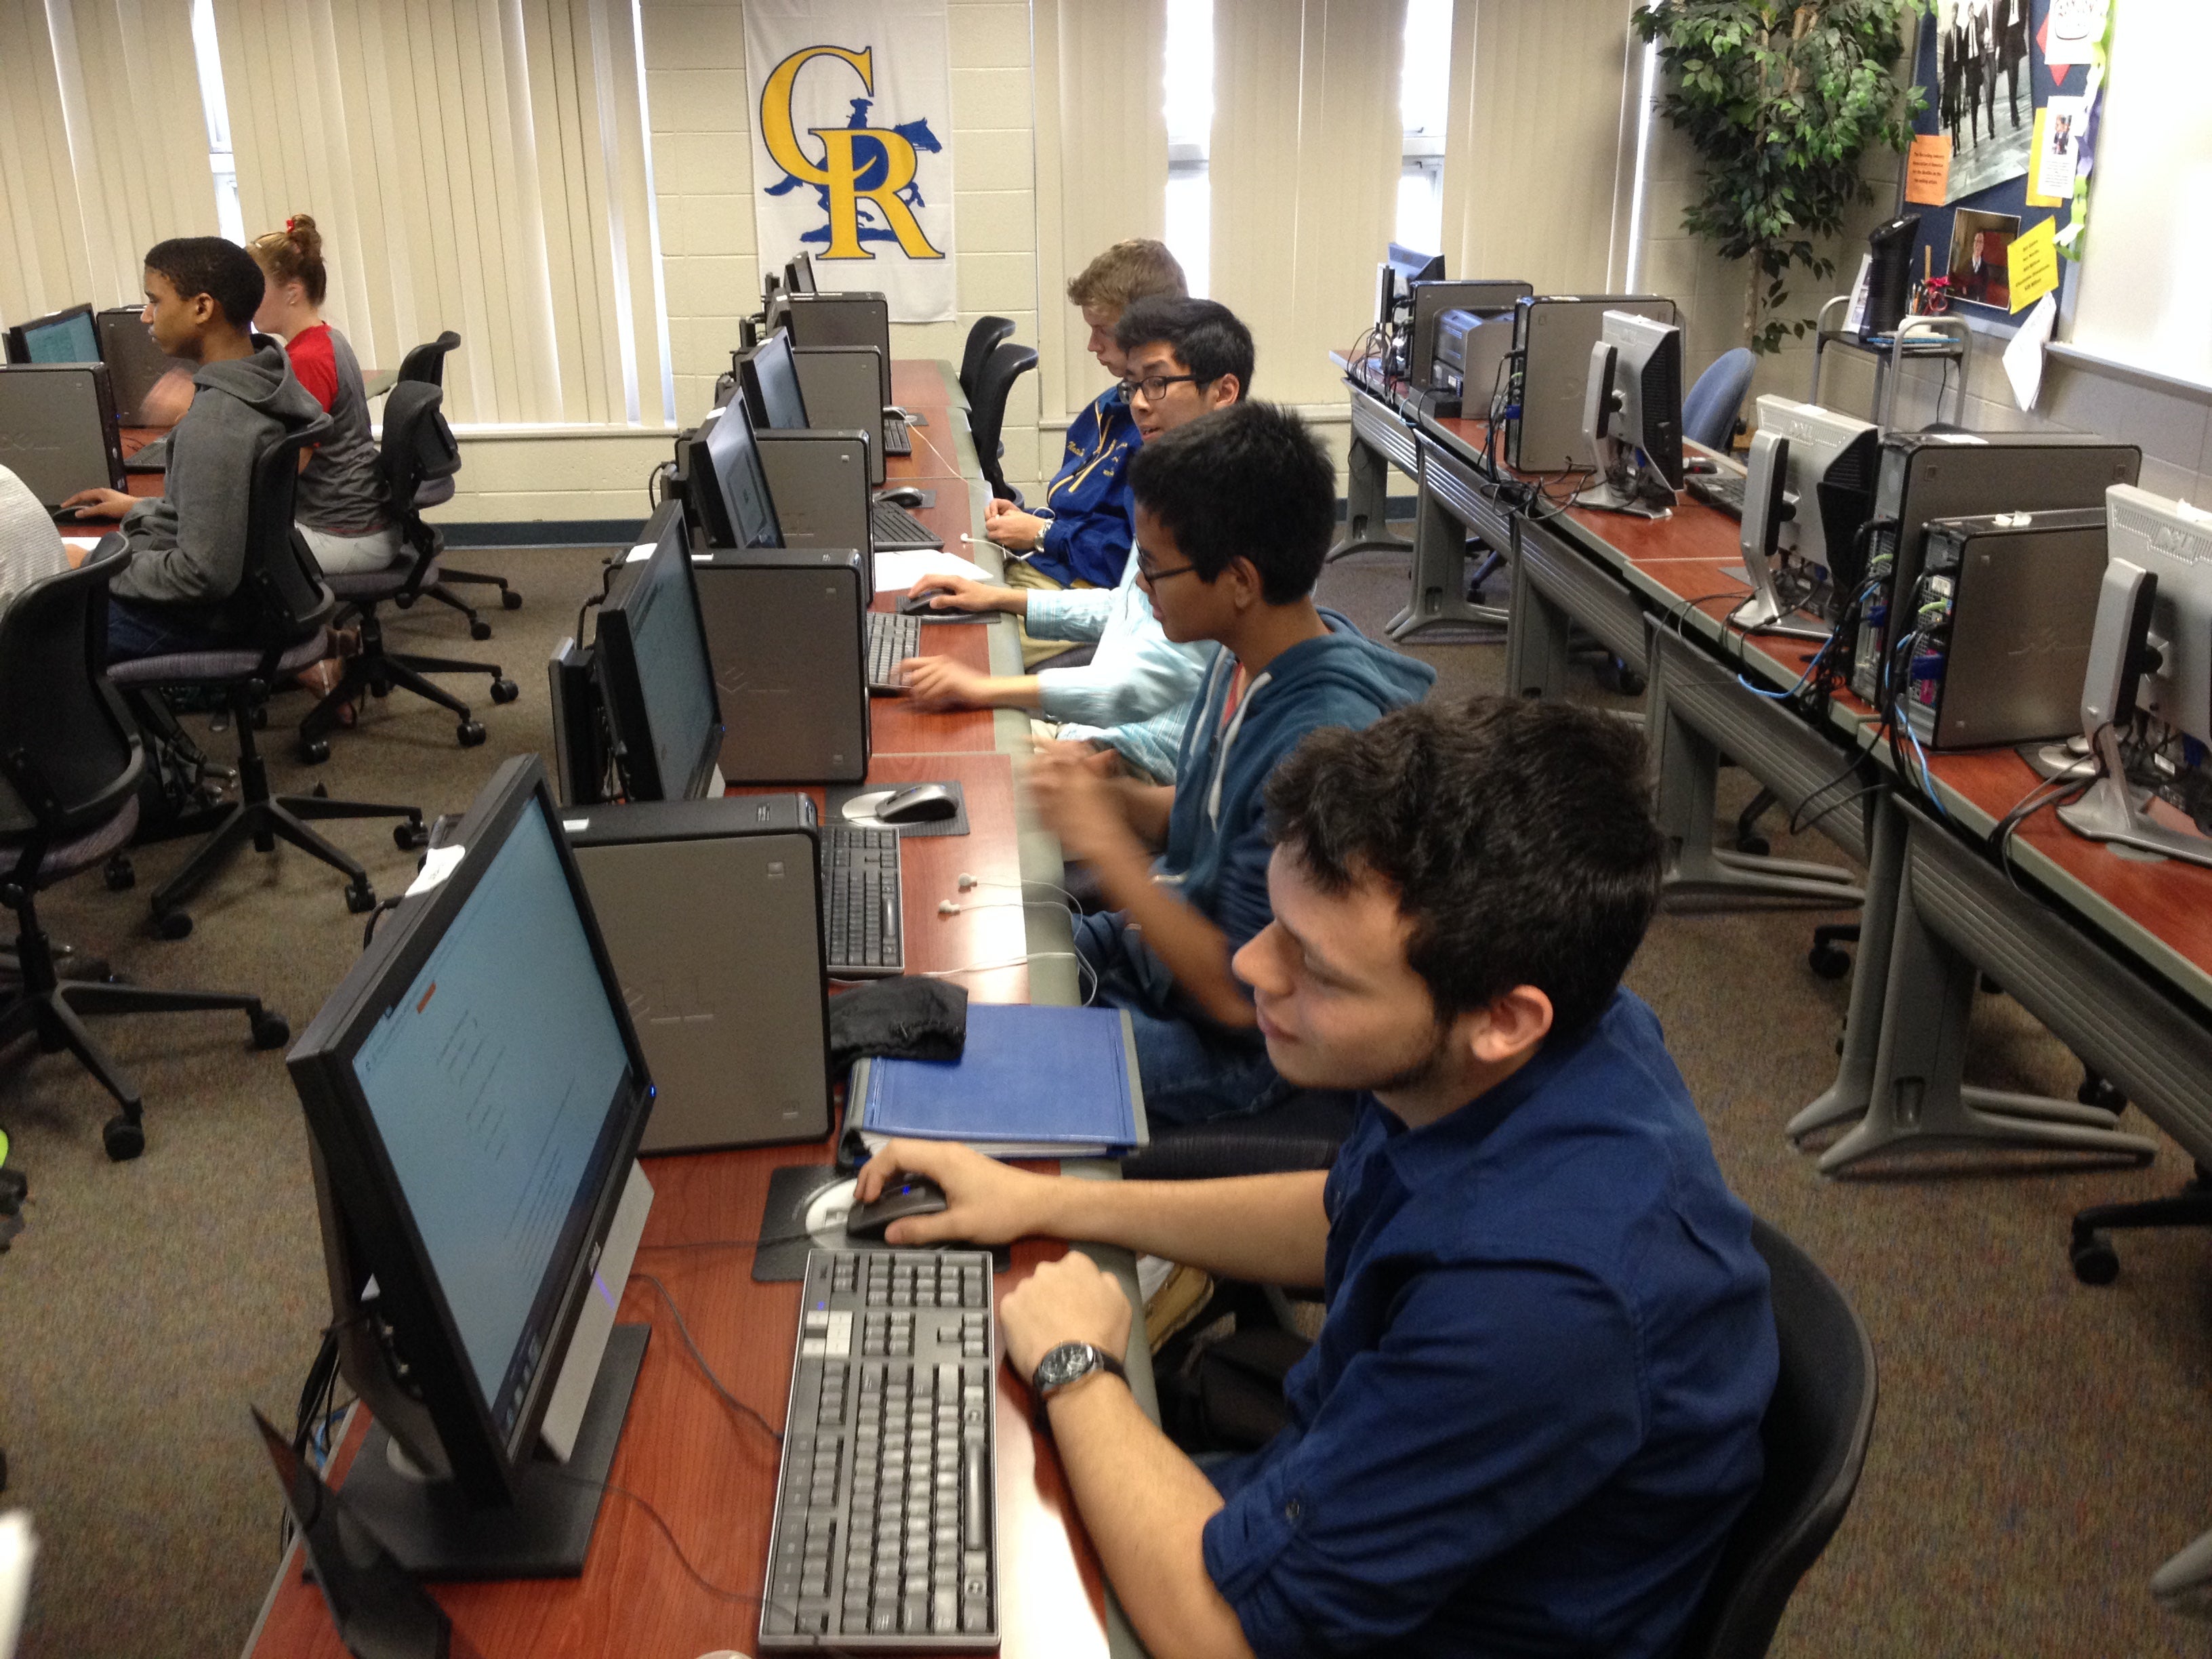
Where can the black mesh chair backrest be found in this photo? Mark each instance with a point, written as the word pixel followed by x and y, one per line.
pixel 427 362
pixel 421 454
pixel 986 406
pixel 1815 1433
pixel 983 338
pixel 58 711
pixel 286 585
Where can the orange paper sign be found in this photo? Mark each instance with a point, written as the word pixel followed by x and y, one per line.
pixel 1928 169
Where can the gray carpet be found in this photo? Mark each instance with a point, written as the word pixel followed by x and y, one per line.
pixel 2040 1449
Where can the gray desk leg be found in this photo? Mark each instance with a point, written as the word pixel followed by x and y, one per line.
pixel 1915 1098
pixel 1689 774
pixel 1438 599
pixel 1538 635
pixel 1367 502
pixel 1853 1089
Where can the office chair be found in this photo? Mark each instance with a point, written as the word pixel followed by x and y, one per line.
pixel 71 765
pixel 420 458
pixel 1302 1131
pixel 983 338
pixel 1815 1434
pixel 292 610
pixel 1709 413
pixel 427 363
pixel 987 410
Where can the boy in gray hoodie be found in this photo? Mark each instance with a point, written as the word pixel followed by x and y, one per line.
pixel 180 590
pixel 1234 514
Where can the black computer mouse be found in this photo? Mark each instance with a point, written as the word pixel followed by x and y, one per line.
pixel 918 605
pixel 920 803
pixel 904 495
pixel 911 1195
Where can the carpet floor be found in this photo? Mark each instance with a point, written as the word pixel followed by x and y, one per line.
pixel 2040 1449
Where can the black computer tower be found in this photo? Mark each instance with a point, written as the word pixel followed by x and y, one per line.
pixel 785 635
pixel 58 429
pixel 712 912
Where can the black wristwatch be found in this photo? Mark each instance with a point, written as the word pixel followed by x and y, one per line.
pixel 1070 1363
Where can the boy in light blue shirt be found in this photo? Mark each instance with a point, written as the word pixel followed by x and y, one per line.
pixel 1186 358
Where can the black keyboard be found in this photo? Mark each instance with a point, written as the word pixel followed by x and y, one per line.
pixel 1723 489
pixel 891 640
pixel 886 1506
pixel 860 900
pixel 897 440
pixel 891 525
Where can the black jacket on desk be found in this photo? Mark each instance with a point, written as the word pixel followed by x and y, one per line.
pixel 188 545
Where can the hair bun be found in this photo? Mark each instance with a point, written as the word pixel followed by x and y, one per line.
pixel 301 227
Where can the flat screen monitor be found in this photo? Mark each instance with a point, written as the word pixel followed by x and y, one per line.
pixel 731 495
pixel 2172 541
pixel 771 379
pixel 1808 493
pixel 654 677
pixel 1632 412
pixel 67 336
pixel 1413 266
pixel 799 274
pixel 475 1095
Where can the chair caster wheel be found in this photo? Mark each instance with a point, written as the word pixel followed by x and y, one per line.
pixel 124 1140
pixel 410 837
pixel 15 1188
pixel 380 688
pixel 314 751
pixel 2095 1260
pixel 509 599
pixel 1631 682
pixel 1758 845
pixel 172 924
pixel 1828 961
pixel 479 629
pixel 470 733
pixel 505 690
pixel 360 899
pixel 2101 1093
pixel 270 1030
pixel 120 876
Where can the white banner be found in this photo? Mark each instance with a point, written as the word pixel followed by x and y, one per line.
pixel 852 109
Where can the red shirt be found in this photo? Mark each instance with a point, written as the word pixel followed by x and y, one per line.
pixel 315 365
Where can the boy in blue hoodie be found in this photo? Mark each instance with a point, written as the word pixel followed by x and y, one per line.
pixel 1234 514
pixel 1081 538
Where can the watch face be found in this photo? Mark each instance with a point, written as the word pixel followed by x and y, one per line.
pixel 1065 1363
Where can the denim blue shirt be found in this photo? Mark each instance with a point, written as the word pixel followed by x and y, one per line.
pixel 1092 521
pixel 1533 1413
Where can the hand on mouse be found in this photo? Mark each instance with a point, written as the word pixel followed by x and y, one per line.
pixel 947 591
pixel 1071 1300
pixel 939 682
pixel 986 1202
pixel 100 503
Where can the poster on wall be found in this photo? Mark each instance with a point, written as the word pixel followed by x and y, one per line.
pixel 852 130
pixel 1985 93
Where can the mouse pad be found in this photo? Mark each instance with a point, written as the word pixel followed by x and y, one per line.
pixel 955 825
pixel 945 618
pixel 805 1211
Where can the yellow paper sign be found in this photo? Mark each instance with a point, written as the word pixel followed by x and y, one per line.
pixel 1928 169
pixel 2034 264
pixel 2035 150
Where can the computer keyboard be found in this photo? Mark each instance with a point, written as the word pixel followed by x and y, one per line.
pixel 861 901
pixel 891 640
pixel 1723 489
pixel 885 1513
pixel 891 525
pixel 897 440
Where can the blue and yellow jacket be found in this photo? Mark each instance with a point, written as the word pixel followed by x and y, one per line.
pixel 1092 523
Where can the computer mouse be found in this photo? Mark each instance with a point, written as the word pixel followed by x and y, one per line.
pixel 920 803
pixel 918 605
pixel 913 1195
pixel 901 496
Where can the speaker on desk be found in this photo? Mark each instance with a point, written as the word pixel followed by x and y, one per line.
pixel 1889 274
pixel 712 912
pixel 785 636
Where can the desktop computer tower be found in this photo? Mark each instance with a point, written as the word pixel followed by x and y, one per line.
pixel 840 384
pixel 58 431
pixel 818 480
pixel 712 912
pixel 1470 348
pixel 1920 476
pixel 1432 300
pixel 785 635
pixel 2002 621
pixel 1552 339
pixel 136 365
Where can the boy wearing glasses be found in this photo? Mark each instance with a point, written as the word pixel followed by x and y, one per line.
pixel 1183 358
pixel 1234 514
pixel 1082 535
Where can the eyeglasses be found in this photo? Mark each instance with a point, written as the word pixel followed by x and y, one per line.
pixel 1152 386
pixel 1152 578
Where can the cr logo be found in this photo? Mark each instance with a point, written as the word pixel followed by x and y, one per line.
pixel 860 164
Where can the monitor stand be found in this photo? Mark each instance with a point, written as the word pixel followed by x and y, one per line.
pixel 2108 812
pixel 435 1533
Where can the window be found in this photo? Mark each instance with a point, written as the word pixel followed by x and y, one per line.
pixel 1190 91
pixel 221 161
pixel 1423 101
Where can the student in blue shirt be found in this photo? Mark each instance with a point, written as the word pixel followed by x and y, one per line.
pixel 1533 1413
pixel 1234 515
pixel 1186 358
pixel 1082 536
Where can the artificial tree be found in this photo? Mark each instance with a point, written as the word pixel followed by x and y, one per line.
pixel 1781 99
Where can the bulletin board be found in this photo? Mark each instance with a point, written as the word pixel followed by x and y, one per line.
pixel 2020 129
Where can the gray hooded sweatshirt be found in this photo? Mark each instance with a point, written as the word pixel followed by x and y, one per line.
pixel 188 545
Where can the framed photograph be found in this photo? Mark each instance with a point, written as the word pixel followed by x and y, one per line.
pixel 1980 249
